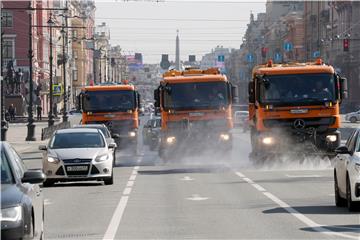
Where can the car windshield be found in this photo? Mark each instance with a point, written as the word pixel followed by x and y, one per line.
pixel 6 175
pixel 207 95
pixel 297 89
pixel 77 140
pixel 109 101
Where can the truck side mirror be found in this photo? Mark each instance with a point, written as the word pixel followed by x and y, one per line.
pixel 79 102
pixel 251 91
pixel 157 98
pixel 343 88
pixel 138 100
pixel 235 93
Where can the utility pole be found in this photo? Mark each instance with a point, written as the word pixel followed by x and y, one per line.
pixel 51 114
pixel 65 117
pixel 30 126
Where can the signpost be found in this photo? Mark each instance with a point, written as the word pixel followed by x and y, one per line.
pixel 288 46
pixel 57 89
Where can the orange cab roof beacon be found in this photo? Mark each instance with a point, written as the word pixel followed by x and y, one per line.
pixel 191 75
pixel 109 88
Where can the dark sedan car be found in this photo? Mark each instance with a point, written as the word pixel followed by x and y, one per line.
pixel 22 205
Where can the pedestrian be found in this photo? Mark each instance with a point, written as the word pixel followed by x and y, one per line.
pixel 55 110
pixel 39 112
pixel 12 111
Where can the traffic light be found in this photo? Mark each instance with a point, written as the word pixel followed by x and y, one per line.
pixel 346 44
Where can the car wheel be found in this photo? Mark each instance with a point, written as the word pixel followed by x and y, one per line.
pixel 110 180
pixel 350 204
pixel 353 119
pixel 48 183
pixel 339 201
pixel 30 235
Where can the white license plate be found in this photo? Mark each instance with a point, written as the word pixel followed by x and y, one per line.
pixel 196 114
pixel 76 168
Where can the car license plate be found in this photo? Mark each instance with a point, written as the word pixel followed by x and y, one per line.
pixel 76 168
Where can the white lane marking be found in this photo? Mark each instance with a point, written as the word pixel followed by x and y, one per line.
pixel 130 183
pixel 310 223
pixel 197 197
pixel 186 178
pixel 127 191
pixel 115 221
pixel 47 201
pixel 118 214
pixel 132 177
pixel 302 176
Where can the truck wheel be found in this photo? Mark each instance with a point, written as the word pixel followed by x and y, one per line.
pixel 353 119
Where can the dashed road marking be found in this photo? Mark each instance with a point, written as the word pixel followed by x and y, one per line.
pixel 197 197
pixel 302 176
pixel 186 178
pixel 310 223
pixel 119 211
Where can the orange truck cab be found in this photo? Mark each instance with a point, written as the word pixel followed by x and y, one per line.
pixel 116 106
pixel 196 112
pixel 295 107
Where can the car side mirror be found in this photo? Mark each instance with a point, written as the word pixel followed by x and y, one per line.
pixel 157 98
pixel 43 147
pixel 251 92
pixel 112 145
pixel 342 150
pixel 33 177
pixel 115 135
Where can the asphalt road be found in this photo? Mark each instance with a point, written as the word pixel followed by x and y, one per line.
pixel 200 197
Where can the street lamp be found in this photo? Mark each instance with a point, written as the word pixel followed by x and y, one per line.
pixel 65 117
pixel 30 126
pixel 4 123
pixel 50 22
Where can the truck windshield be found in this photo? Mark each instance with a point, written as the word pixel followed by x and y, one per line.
pixel 209 95
pixel 108 101
pixel 297 89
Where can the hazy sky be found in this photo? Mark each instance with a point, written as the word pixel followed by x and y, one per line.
pixel 150 27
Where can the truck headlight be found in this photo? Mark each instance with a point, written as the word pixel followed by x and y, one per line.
pixel 12 214
pixel 331 138
pixel 357 167
pixel 170 140
pixel 102 158
pixel 268 140
pixel 132 134
pixel 225 137
pixel 54 160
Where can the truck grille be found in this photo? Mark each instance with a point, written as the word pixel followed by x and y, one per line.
pixel 309 122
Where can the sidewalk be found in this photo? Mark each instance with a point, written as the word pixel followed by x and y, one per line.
pixel 17 133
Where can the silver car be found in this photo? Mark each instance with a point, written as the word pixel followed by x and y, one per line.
pixel 78 154
pixel 353 116
pixel 108 137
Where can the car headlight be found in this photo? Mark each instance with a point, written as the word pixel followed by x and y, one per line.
pixel 357 167
pixel 102 158
pixel 170 140
pixel 12 214
pixel 132 134
pixel 331 138
pixel 54 160
pixel 225 137
pixel 267 140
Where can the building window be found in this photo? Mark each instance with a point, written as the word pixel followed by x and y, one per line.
pixel 74 33
pixel 75 75
pixel 8 49
pixel 6 19
pixel 75 54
